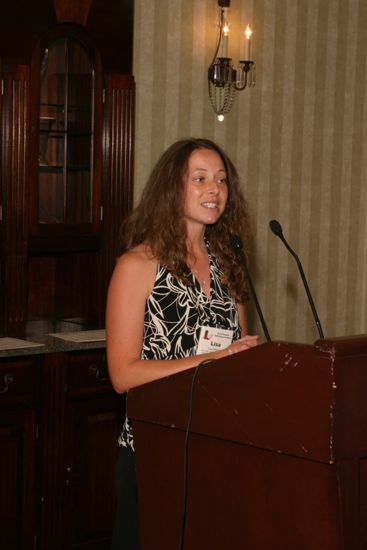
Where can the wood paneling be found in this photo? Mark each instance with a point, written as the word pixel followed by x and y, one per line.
pixel 118 147
pixel 16 166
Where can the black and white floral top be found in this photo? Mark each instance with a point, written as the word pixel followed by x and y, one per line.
pixel 174 313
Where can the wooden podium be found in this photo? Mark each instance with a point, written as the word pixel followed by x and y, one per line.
pixel 277 455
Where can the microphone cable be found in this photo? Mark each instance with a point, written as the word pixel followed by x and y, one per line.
pixel 185 455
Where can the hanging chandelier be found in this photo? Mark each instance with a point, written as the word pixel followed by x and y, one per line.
pixel 223 78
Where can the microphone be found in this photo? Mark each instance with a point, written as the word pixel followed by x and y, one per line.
pixel 237 245
pixel 278 231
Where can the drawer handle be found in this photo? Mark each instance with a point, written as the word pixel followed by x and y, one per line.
pixel 8 380
pixel 96 372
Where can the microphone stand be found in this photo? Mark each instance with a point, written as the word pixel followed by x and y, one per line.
pixel 237 245
pixel 278 231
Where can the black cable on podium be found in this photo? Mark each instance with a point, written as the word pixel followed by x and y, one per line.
pixel 185 458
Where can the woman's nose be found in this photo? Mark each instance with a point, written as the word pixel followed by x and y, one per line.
pixel 213 187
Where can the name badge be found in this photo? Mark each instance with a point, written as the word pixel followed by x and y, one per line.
pixel 212 339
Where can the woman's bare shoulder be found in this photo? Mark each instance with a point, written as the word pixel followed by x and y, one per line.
pixel 137 264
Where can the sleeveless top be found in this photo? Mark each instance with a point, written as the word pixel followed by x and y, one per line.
pixel 174 313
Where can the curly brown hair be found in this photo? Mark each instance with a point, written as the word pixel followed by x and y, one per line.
pixel 158 220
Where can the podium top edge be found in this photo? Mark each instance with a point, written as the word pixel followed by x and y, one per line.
pixel 337 346
pixel 343 345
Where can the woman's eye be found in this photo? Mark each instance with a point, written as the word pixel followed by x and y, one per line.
pixel 223 181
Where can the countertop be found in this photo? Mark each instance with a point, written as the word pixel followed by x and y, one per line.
pixel 51 343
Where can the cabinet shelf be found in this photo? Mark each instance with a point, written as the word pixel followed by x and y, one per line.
pixel 47 169
pixel 57 134
pixel 71 107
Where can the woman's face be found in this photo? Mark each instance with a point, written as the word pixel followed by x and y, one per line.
pixel 206 190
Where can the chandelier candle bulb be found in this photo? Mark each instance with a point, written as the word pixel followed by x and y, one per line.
pixel 225 40
pixel 248 33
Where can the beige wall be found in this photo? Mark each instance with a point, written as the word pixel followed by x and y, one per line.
pixel 298 139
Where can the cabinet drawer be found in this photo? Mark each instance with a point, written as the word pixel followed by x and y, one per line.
pixel 19 381
pixel 87 373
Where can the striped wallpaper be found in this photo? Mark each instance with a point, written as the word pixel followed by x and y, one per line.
pixel 298 139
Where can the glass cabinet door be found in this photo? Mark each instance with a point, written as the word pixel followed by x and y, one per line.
pixel 66 132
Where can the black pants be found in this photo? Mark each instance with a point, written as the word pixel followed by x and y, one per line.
pixel 126 530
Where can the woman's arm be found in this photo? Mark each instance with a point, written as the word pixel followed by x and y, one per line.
pixel 130 285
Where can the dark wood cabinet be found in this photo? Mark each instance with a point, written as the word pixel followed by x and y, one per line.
pixel 66 184
pixel 67 117
pixel 92 421
pixel 19 414
pixel 59 423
